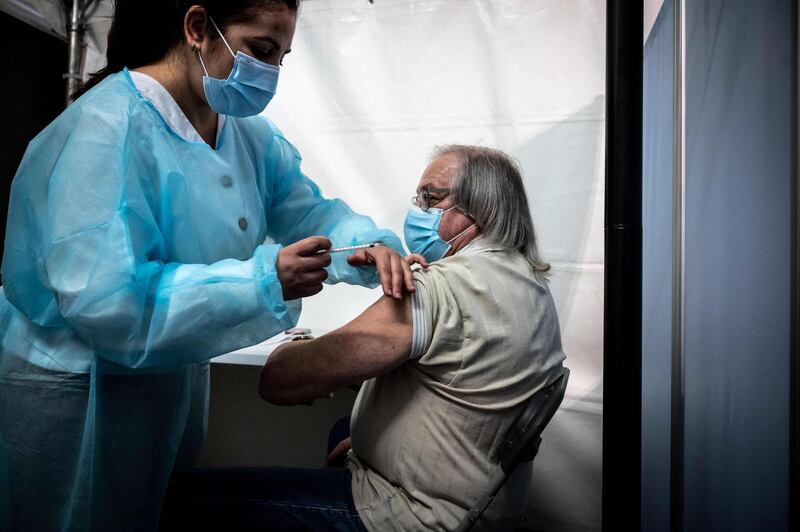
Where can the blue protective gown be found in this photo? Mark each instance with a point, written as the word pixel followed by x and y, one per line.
pixel 132 257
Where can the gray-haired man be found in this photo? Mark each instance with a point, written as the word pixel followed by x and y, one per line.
pixel 445 371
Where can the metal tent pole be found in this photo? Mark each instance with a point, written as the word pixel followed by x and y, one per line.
pixel 794 353
pixel 622 339
pixel 75 31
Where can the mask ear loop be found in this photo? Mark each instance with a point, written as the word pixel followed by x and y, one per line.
pixel 465 230
pixel 222 36
pixel 461 233
pixel 197 48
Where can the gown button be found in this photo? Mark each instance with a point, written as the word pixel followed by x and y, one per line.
pixel 227 181
pixel 242 224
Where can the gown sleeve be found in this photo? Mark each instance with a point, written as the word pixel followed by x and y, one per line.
pixel 297 210
pixel 97 246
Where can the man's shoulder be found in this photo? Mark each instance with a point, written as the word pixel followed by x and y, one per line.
pixel 478 275
pixel 445 282
pixel 442 271
pixel 470 265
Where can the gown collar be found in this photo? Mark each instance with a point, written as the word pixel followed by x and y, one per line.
pixel 168 108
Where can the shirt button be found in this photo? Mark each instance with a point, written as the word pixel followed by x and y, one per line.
pixel 226 181
pixel 242 224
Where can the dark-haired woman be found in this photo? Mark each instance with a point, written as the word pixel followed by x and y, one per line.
pixel 135 253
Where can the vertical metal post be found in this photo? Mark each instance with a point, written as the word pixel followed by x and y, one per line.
pixel 794 348
pixel 75 30
pixel 678 260
pixel 622 339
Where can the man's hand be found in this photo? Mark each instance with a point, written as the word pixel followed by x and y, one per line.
pixel 394 270
pixel 336 458
pixel 301 268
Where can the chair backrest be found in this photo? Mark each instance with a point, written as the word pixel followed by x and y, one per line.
pixel 521 443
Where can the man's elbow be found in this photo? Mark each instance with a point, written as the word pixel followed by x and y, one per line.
pixel 274 387
pixel 270 389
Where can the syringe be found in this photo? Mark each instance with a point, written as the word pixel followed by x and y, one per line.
pixel 352 248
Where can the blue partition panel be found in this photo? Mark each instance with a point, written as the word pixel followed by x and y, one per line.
pixel 738 81
pixel 657 152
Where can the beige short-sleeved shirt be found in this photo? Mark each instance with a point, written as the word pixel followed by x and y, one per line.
pixel 425 435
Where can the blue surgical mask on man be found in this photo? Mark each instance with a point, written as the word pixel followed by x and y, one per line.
pixel 247 90
pixel 421 231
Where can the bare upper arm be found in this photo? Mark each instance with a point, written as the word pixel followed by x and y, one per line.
pixel 374 343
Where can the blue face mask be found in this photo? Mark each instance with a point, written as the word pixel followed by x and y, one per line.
pixel 247 90
pixel 421 231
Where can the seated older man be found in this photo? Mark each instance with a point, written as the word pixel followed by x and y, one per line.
pixel 445 371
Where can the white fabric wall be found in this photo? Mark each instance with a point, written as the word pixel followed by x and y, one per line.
pixel 369 90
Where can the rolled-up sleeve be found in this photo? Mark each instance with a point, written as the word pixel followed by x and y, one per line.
pixel 421 329
pixel 424 310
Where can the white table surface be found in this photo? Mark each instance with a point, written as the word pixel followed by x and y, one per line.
pixel 257 355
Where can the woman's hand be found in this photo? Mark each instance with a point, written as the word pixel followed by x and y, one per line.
pixel 416 258
pixel 336 458
pixel 301 267
pixel 394 270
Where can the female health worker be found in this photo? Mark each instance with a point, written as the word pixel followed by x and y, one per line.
pixel 135 252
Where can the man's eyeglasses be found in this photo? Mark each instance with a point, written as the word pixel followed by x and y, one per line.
pixel 428 194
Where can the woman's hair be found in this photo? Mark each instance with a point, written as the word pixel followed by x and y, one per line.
pixel 143 31
pixel 488 186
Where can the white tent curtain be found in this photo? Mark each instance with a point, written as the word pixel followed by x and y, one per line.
pixel 370 89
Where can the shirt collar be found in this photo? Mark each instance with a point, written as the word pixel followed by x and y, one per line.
pixel 479 244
